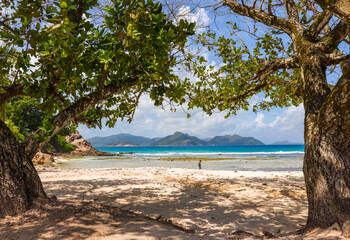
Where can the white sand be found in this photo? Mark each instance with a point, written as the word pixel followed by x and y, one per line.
pixel 213 203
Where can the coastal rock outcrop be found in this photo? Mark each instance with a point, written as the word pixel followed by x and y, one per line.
pixel 80 144
pixel 43 158
pixel 83 147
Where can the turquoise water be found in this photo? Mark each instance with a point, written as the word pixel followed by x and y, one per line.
pixel 209 150
pixel 246 158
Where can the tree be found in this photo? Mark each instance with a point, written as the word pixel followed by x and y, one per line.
pixel 297 45
pixel 79 72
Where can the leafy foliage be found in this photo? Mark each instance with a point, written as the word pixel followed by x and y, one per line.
pixel 59 143
pixel 23 117
pixel 15 130
pixel 23 113
pixel 231 86
pixel 85 71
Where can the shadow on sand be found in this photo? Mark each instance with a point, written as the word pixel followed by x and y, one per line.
pixel 195 206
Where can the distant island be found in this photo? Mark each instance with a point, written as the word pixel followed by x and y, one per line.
pixel 180 139
pixel 122 143
pixel 176 139
pixel 119 139
pixel 285 143
pixel 235 139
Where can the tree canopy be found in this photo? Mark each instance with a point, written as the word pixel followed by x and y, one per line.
pixel 84 71
pixel 263 53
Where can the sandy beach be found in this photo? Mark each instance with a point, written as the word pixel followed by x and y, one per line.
pixel 184 203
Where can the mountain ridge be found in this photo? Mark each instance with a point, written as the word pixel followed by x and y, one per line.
pixel 176 139
pixel 136 140
pixel 180 139
pixel 230 140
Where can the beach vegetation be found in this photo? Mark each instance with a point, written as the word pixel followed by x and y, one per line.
pixel 81 63
pixel 286 53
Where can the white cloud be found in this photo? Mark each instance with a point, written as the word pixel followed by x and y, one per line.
pixel 200 17
pixel 151 121
pixel 272 127
pixel 260 124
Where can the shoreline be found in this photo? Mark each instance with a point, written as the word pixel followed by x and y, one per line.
pixel 186 162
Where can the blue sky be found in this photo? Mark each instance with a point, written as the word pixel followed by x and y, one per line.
pixel 150 121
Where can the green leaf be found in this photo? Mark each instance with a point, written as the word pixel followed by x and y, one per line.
pixel 63 5
pixel 129 28
pixel 44 53
pixel 171 33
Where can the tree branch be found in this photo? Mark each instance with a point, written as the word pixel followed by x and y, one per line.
pixel 70 113
pixel 336 58
pixel 101 83
pixel 269 3
pixel 261 5
pixel 258 15
pixel 2 23
pixel 10 92
pixel 292 10
pixel 251 91
pixel 331 40
pixel 341 8
pixel 316 27
pixel 278 63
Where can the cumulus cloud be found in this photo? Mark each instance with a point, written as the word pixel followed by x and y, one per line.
pixel 277 125
pixel 151 121
pixel 260 124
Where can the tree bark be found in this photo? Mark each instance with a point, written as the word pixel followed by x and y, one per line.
pixel 327 146
pixel 341 8
pixel 20 185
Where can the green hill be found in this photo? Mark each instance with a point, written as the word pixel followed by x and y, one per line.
pixel 180 139
pixel 231 140
pixel 106 141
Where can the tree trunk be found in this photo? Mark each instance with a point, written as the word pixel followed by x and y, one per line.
pixel 327 146
pixel 20 184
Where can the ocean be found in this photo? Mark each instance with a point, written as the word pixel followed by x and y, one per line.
pixel 243 158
